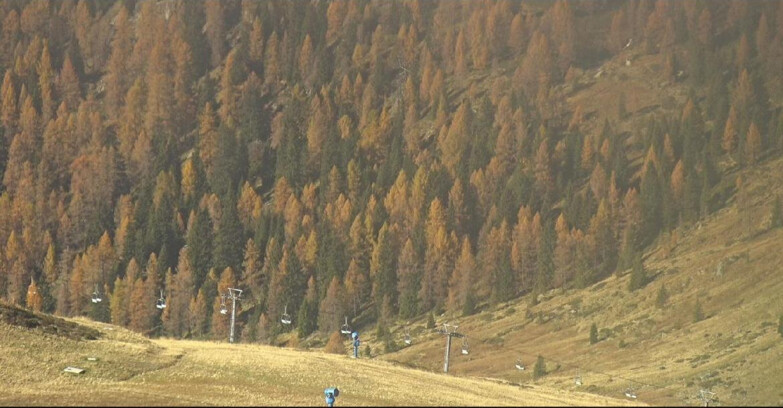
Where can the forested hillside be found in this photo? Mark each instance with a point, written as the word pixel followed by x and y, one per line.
pixel 357 158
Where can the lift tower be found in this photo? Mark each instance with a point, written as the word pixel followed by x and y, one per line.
pixel 450 330
pixel 234 295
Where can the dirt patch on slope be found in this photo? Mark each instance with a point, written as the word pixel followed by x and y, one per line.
pixel 16 316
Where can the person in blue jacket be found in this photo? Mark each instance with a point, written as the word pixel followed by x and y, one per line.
pixel 331 393
pixel 330 400
pixel 356 342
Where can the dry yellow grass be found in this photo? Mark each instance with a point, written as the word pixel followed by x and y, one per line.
pixel 135 371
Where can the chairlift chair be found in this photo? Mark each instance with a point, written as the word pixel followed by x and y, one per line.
pixel 465 347
pixel 519 365
pixel 407 338
pixel 96 297
pixel 285 318
pixel 629 392
pixel 578 378
pixel 161 303
pixel 223 308
pixel 345 328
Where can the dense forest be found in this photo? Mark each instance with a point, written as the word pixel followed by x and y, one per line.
pixel 369 159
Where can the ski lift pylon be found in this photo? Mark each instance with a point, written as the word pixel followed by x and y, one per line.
pixel 285 318
pixel 345 328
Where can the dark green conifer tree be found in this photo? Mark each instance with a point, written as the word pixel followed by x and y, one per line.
pixel 662 297
pixel 638 274
pixel 307 319
pixel 229 239
pixel 540 368
pixel 651 205
pixel 199 242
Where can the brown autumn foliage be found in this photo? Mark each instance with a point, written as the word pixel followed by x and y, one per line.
pixel 445 122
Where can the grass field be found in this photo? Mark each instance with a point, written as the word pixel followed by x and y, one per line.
pixel 132 370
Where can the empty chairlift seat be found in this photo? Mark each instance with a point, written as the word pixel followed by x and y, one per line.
pixel 519 365
pixel 285 318
pixel 345 328
pixel 96 296
pixel 223 308
pixel 161 303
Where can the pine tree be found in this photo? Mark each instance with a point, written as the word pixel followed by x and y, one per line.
pixel 227 251
pixel 307 320
pixel 638 275
pixel 382 266
pixel 601 232
pixel 137 316
pixel 46 84
pixel 332 307
pixel 678 184
pixel 272 60
pixel 184 75
pixel 539 370
pixel 199 242
pixel 461 281
pixel 336 344
pixel 593 334
pixel 662 297
pixel 408 272
pixel 34 300
pixel 456 141
pixel 118 304
pixel 70 89
pixel 50 267
pixel 232 76
pixel 198 312
pixel 117 76
pixel 220 322
pixel 650 201
pixel 77 301
pixel 180 292
pixel 497 264
pixel 215 30
pixel 252 277
pixel 752 144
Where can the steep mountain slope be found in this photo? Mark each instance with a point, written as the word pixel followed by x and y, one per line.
pixel 728 263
